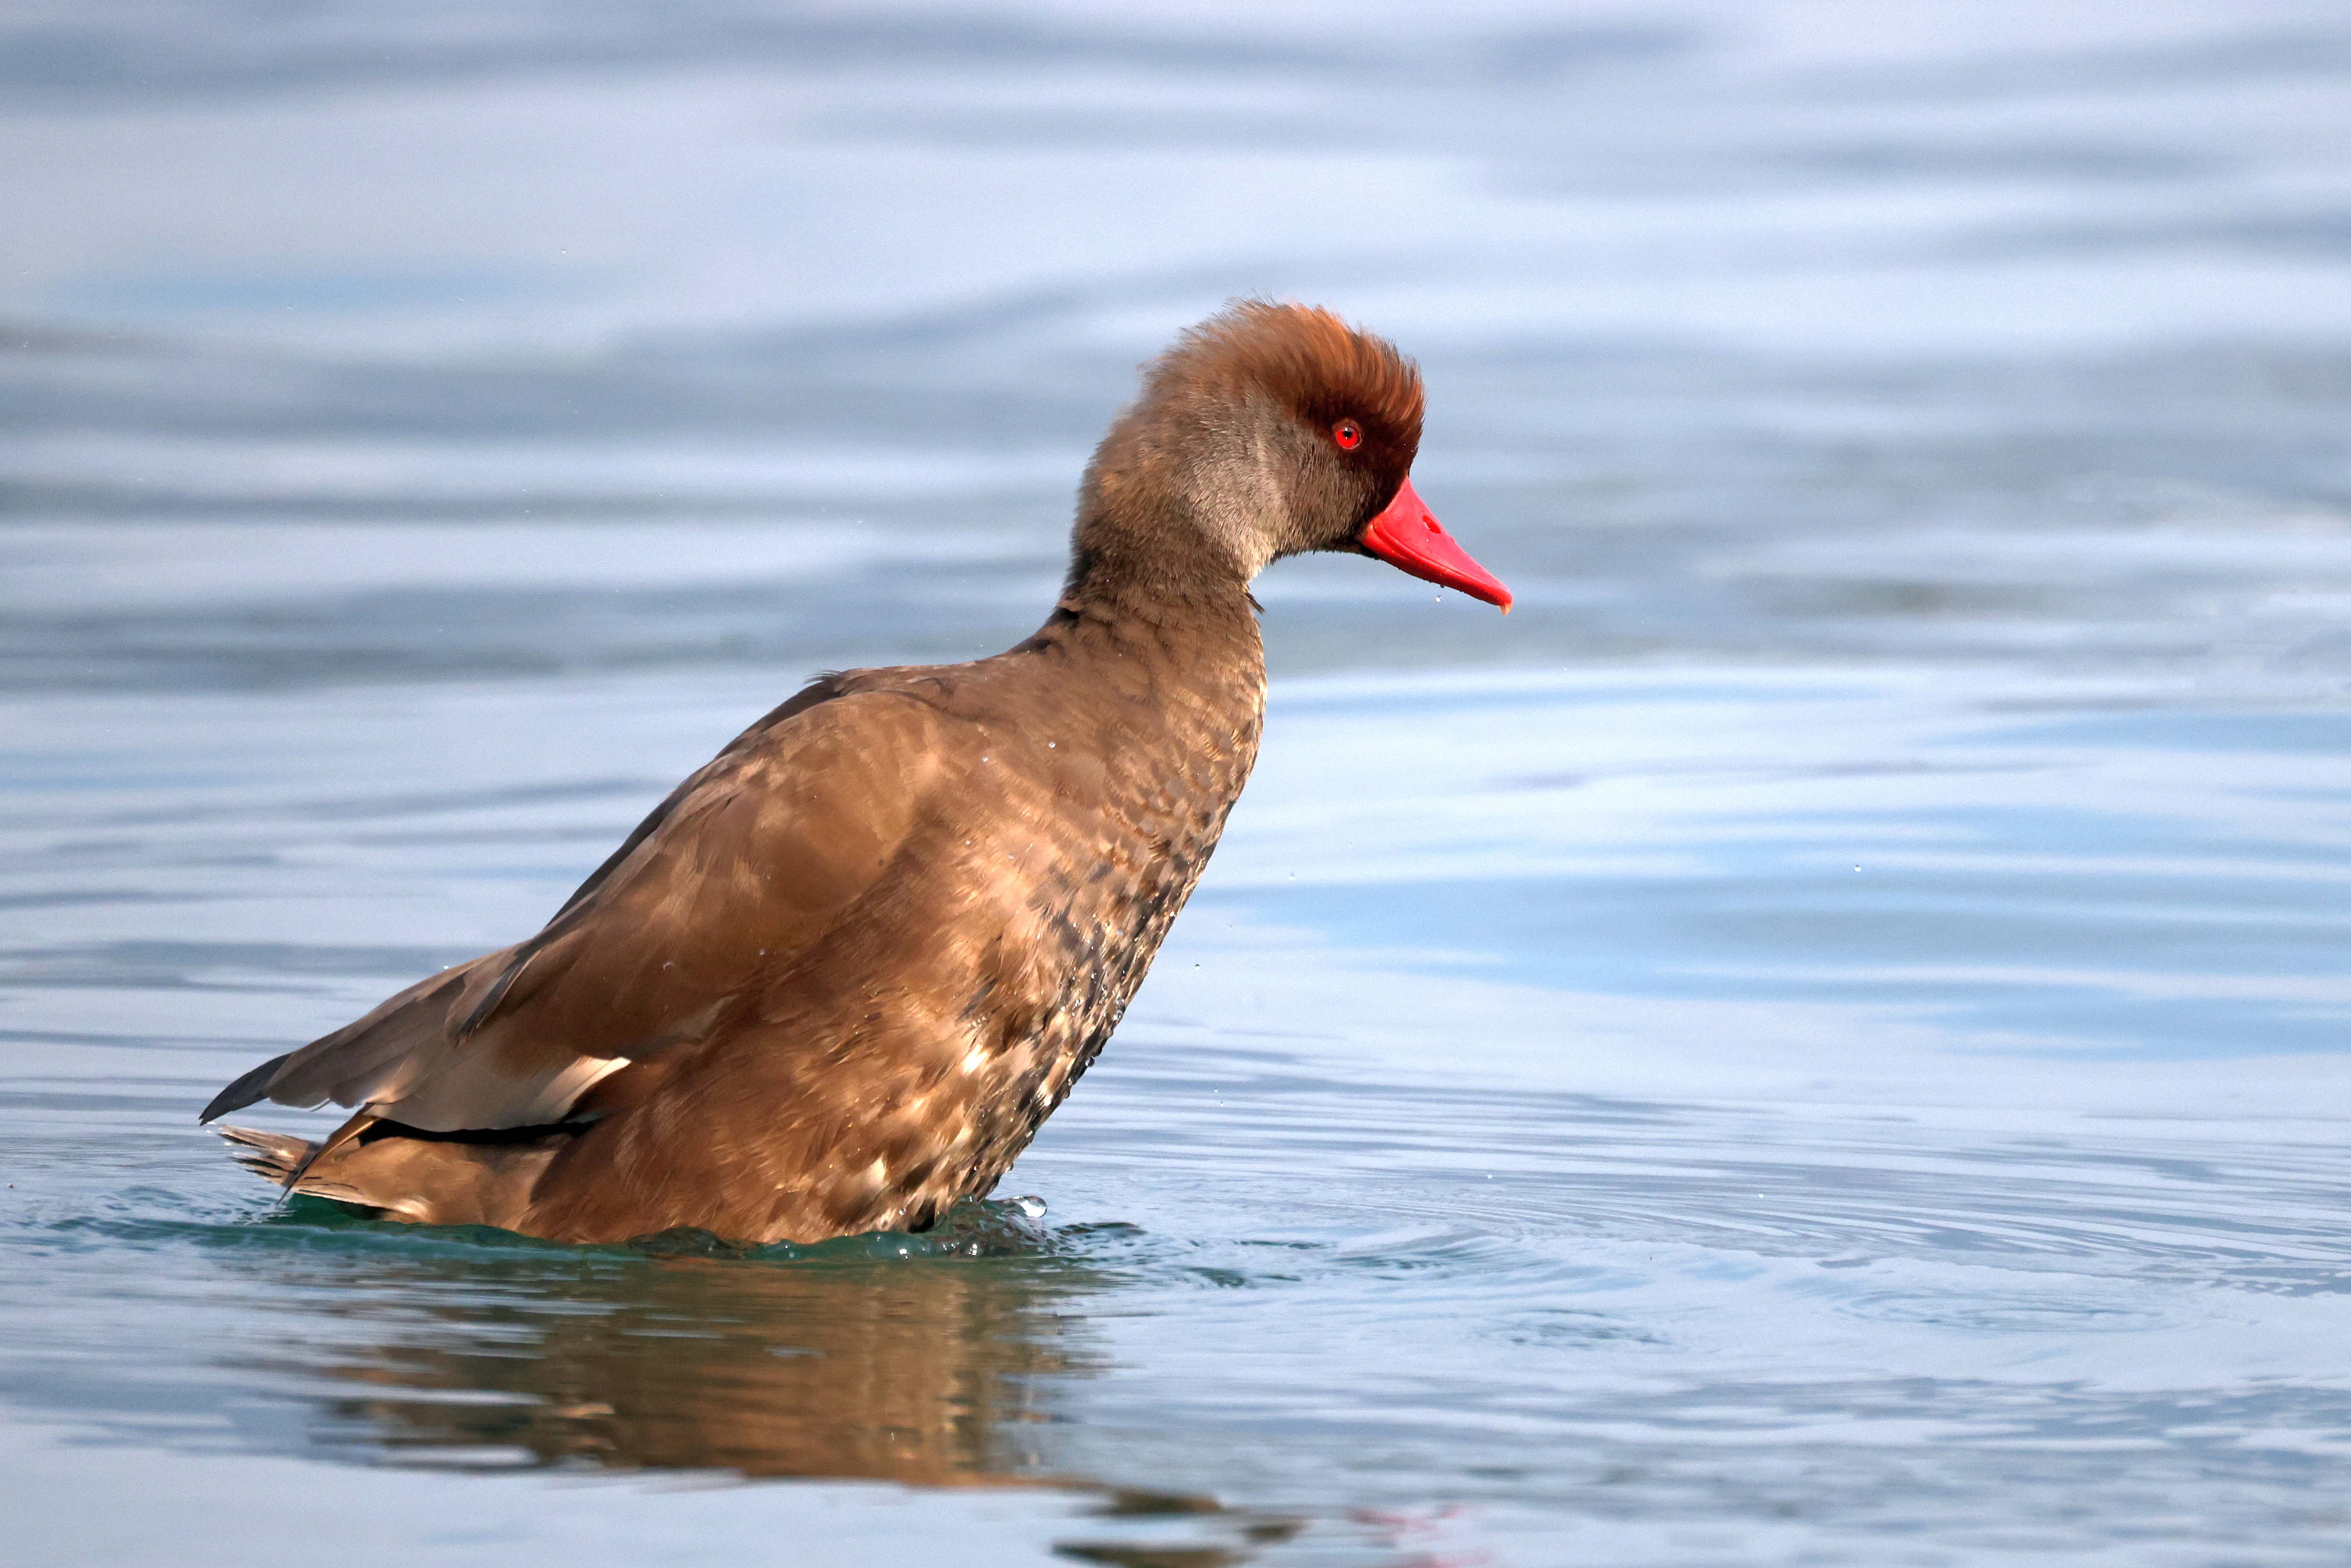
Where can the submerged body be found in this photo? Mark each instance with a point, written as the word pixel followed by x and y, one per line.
pixel 838 980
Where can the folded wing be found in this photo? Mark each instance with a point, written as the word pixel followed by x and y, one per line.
pixel 747 863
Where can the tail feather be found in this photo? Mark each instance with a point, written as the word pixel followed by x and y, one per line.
pixel 285 1162
pixel 424 1179
pixel 273 1156
pixel 335 1140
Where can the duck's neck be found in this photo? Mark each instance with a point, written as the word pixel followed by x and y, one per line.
pixel 1196 612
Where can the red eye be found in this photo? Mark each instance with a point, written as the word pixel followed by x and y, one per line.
pixel 1348 434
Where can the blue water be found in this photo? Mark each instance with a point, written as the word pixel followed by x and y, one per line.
pixel 1821 1038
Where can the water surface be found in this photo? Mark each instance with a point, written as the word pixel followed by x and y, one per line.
pixel 1820 1039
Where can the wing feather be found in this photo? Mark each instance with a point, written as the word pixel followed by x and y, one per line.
pixel 729 878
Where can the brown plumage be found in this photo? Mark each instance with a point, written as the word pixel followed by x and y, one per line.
pixel 840 976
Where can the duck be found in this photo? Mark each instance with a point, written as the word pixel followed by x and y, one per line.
pixel 839 977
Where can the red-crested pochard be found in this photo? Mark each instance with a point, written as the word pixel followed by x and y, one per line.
pixel 841 976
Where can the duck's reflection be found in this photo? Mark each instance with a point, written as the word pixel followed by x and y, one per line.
pixel 952 1367
pixel 938 1371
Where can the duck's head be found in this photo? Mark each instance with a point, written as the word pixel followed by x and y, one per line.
pixel 1266 430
